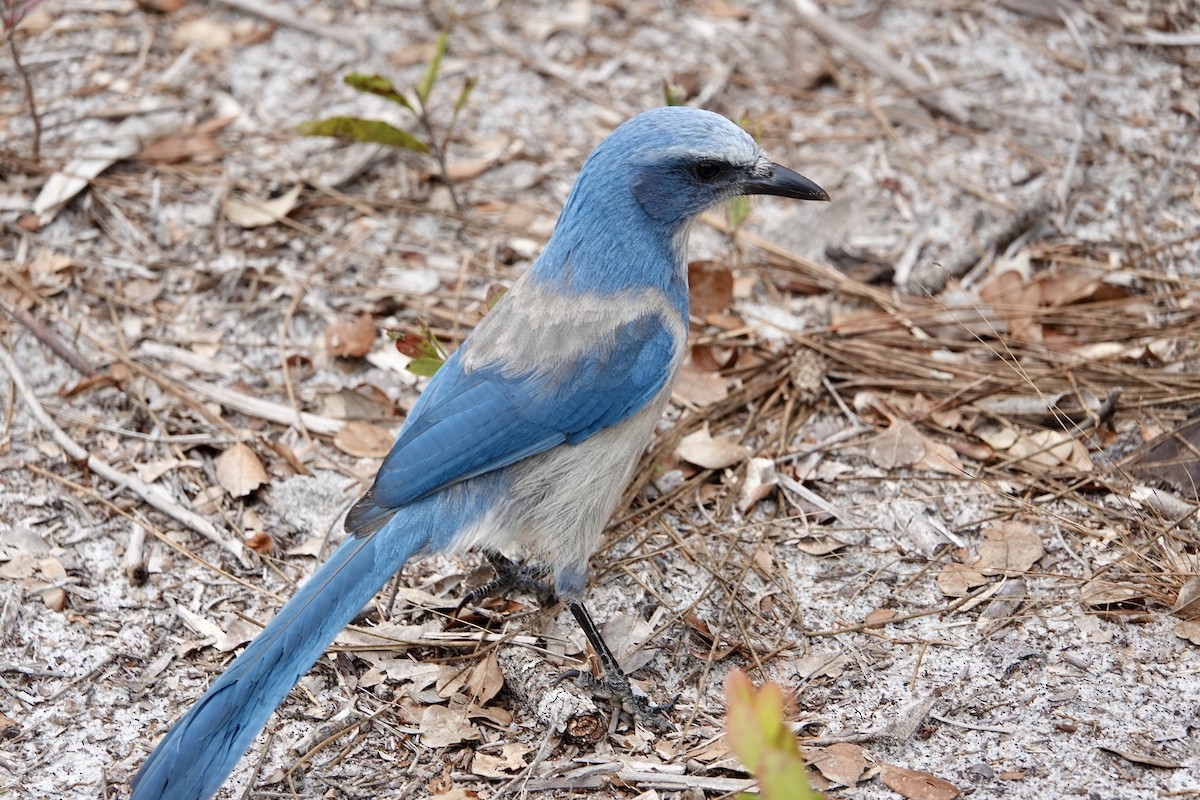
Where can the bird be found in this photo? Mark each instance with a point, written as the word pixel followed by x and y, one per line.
pixel 524 439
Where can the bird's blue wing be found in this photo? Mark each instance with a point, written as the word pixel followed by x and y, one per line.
pixel 469 423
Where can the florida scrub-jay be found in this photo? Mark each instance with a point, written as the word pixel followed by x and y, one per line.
pixel 525 438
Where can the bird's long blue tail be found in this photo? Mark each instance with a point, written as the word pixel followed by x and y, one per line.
pixel 192 760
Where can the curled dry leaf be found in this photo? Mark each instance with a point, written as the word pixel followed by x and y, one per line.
pixel 350 339
pixel 916 785
pixel 364 440
pixel 239 471
pixel 1098 592
pixel 701 449
pixel 1187 602
pixel 256 214
pixel 761 480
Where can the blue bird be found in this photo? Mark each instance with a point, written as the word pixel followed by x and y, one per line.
pixel 525 438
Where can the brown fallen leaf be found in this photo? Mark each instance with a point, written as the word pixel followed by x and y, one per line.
pixel 710 288
pixel 1099 592
pixel 350 339
pixel 1188 629
pixel 1009 548
pixel 485 679
pixel 879 617
pixel 1145 759
pixel 916 785
pixel 364 440
pixel 239 471
pixel 258 213
pixel 701 449
pixel 957 580
pixel 698 388
pixel 1187 602
pixel 898 446
pixel 841 763
pixel 442 726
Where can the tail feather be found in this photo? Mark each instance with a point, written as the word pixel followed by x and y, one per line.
pixel 194 758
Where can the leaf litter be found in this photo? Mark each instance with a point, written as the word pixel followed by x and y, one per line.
pixel 917 488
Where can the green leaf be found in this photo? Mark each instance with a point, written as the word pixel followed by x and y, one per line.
pixel 468 87
pixel 495 293
pixel 736 212
pixel 755 729
pixel 673 94
pixel 356 129
pixel 424 367
pixel 378 86
pixel 425 85
pixel 422 347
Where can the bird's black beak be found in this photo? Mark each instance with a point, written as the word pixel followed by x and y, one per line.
pixel 782 182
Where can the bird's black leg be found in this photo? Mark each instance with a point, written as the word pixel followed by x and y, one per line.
pixel 510 575
pixel 615 683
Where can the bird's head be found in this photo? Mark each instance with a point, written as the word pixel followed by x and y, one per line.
pixel 679 162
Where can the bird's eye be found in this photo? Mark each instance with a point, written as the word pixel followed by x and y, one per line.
pixel 706 170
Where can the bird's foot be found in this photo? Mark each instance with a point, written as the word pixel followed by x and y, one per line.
pixel 614 687
pixel 510 575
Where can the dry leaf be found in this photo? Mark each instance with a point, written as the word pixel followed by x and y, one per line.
pixel 899 446
pixel 841 763
pixel 1098 592
pixel 54 573
pixel 1008 548
pixel 485 679
pixel 202 32
pixel 510 760
pixel 761 480
pixel 364 440
pixel 701 449
pixel 916 785
pixel 819 545
pixel 350 339
pixel 1187 602
pixel 696 388
pixel 239 471
pixel 957 580
pixel 710 288
pixel 256 214
pixel 1188 629
pixel 1145 759
pixel 879 617
pixel 442 726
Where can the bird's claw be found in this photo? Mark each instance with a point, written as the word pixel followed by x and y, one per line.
pixel 510 576
pixel 616 689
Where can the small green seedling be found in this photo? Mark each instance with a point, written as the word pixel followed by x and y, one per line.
pixel 374 131
pixel 762 742
pixel 422 347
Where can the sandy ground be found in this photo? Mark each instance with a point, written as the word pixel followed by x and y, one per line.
pixel 1060 672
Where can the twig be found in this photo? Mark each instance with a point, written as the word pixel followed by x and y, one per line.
pixel 33 112
pixel 264 409
pixel 133 563
pixel 151 494
pixel 871 56
pixel 277 13
pixel 46 336
pixel 932 278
